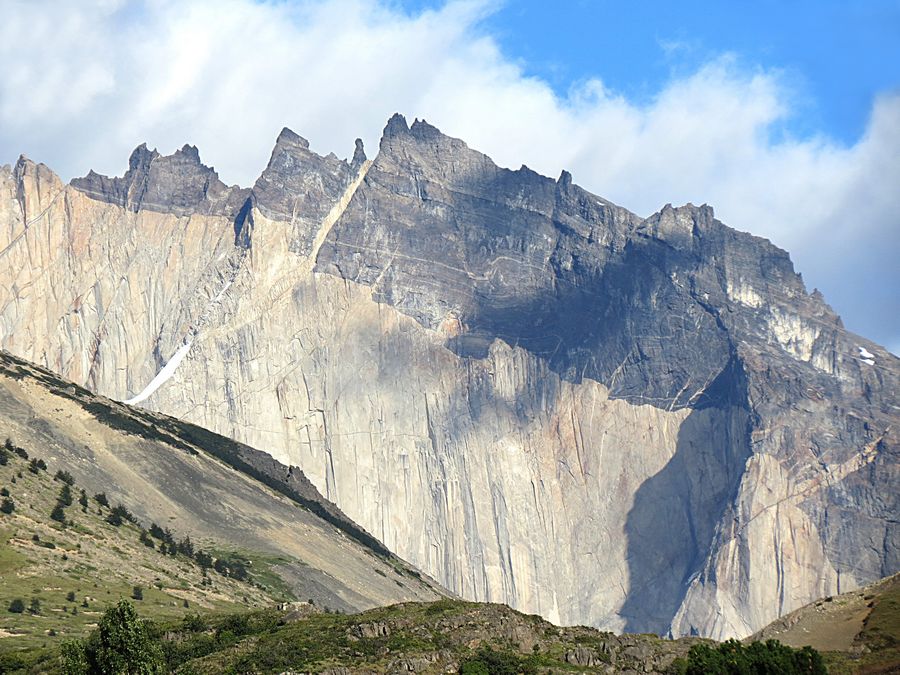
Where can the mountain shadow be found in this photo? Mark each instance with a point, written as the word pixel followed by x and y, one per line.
pixel 671 526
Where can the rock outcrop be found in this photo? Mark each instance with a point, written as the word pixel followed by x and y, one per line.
pixel 531 393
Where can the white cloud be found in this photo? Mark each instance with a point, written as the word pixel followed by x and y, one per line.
pixel 86 82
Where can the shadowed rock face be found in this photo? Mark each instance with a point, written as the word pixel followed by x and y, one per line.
pixel 177 183
pixel 533 394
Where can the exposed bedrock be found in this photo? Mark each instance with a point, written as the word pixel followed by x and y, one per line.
pixel 533 394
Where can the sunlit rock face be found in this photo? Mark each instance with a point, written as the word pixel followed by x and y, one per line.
pixel 531 393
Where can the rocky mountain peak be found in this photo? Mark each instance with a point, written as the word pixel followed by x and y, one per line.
pixel 289 138
pixel 359 154
pixel 178 183
pixel 395 126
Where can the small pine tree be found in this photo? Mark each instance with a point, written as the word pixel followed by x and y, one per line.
pixel 4 457
pixel 58 513
pixel 34 467
pixel 17 606
pixel 65 477
pixel 7 506
pixel 4 492
pixel 203 559
pixel 186 547
pixel 146 540
pixel 70 596
pixel 101 499
pixel 35 606
pixel 137 593
pixel 65 495
pixel 83 500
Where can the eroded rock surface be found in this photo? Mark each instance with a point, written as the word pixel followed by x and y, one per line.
pixel 534 395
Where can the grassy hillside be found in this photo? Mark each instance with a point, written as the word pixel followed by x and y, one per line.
pixel 857 632
pixel 446 636
pixel 63 572
pixel 231 499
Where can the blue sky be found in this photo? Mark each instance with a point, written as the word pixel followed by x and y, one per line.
pixel 785 116
pixel 836 55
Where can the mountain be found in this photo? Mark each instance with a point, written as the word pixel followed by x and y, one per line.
pixel 533 395
pixel 270 533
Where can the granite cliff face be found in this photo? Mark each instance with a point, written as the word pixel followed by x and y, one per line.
pixel 531 393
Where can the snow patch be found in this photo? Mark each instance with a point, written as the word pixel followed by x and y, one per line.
pixel 163 375
pixel 865 354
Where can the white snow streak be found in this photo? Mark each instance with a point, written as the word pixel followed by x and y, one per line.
pixel 865 353
pixel 163 375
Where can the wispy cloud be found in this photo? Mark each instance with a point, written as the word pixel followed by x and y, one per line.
pixel 85 82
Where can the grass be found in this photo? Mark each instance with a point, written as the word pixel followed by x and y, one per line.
pixel 100 563
pixel 879 641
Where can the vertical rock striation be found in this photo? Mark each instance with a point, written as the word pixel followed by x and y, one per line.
pixel 533 394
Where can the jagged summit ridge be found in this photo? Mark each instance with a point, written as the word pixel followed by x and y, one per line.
pixel 178 183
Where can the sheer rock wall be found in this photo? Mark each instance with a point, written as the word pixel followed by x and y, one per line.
pixel 534 395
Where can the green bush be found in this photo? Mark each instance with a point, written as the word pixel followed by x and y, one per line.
pixel 7 506
pixel 58 513
pixel 121 643
pixel 65 477
pixel 733 658
pixel 17 606
pixel 101 499
pixel 486 661
pixel 65 495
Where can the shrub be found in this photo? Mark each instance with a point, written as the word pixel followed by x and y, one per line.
pixel 118 515
pixel 732 657
pixel 35 606
pixel 65 477
pixel 203 559
pixel 137 593
pixel 186 547
pixel 101 499
pixel 147 541
pixel 70 596
pixel 7 506
pixel 4 458
pixel 65 495
pixel 4 492
pixel 121 643
pixel 486 661
pixel 34 467
pixel 17 606
pixel 58 513
pixel 83 500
